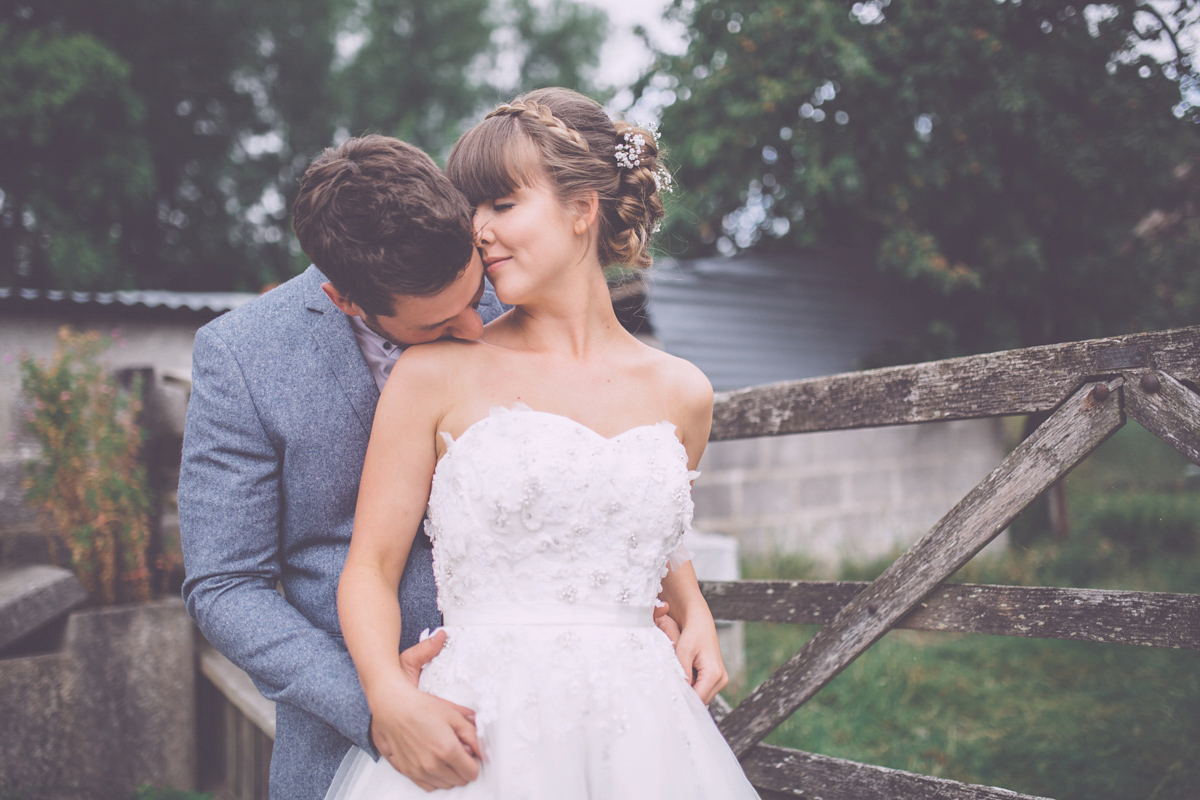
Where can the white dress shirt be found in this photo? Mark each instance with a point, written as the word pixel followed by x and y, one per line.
pixel 379 353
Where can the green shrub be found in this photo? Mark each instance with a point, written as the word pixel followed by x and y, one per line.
pixel 88 483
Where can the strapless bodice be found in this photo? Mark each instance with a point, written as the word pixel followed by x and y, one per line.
pixel 533 507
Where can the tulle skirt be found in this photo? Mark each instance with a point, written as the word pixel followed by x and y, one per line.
pixel 570 702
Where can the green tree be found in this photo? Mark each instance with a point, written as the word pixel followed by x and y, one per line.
pixel 997 156
pixel 157 143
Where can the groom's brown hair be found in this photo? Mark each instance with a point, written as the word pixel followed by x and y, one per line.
pixel 379 218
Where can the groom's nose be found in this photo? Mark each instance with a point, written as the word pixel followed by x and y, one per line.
pixel 467 325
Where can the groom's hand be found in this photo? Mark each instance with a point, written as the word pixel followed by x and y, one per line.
pixel 666 624
pixel 414 659
pixel 431 741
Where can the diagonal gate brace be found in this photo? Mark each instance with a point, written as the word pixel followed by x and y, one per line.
pixel 1166 408
pixel 1073 431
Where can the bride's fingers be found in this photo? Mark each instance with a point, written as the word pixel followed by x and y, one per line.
pixel 470 739
pixel 468 713
pixel 710 679
pixel 687 659
pixel 708 683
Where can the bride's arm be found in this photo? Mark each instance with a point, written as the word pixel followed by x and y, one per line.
pixel 698 649
pixel 421 735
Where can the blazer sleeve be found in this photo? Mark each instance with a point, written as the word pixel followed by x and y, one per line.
pixel 229 518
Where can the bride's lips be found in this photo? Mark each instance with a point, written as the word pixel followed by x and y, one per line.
pixel 491 263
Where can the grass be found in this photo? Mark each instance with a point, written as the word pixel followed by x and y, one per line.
pixel 1067 720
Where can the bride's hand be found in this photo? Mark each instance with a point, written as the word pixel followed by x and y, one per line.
pixel 431 741
pixel 699 651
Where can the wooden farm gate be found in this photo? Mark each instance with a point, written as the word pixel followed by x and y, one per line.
pixel 1087 388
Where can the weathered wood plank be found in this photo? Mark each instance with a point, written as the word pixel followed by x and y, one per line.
pixel 32 595
pixel 232 682
pixel 1025 381
pixel 1152 619
pixel 793 773
pixel 1088 418
pixel 1166 408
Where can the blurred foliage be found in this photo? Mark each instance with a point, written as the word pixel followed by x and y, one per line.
pixel 88 483
pixel 167 793
pixel 996 156
pixel 158 143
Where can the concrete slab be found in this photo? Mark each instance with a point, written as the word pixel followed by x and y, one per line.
pixel 33 595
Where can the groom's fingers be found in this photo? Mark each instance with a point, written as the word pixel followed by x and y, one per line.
pixel 414 659
pixel 667 624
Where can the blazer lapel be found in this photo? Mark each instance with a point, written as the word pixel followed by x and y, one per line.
pixel 335 341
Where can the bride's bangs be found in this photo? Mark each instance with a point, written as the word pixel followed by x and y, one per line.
pixel 492 160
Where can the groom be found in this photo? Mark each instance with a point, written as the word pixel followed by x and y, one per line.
pixel 283 396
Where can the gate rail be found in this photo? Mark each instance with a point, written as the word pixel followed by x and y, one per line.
pixel 1089 389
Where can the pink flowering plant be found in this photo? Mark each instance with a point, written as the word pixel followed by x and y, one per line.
pixel 88 483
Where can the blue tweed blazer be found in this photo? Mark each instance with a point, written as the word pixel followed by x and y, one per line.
pixel 277 428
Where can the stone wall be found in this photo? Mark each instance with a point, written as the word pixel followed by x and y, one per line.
pixel 111 709
pixel 840 495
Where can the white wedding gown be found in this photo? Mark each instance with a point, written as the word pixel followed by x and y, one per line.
pixel 549 545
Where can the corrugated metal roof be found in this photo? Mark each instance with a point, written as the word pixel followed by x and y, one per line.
pixel 214 302
pixel 751 320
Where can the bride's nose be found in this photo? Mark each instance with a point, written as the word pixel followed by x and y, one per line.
pixel 483 234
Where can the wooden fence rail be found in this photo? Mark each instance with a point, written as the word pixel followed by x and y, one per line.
pixel 237 731
pixel 1088 388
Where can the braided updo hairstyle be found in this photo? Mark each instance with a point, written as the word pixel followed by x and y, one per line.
pixel 569 139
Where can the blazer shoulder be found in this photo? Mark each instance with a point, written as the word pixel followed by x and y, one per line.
pixel 273 312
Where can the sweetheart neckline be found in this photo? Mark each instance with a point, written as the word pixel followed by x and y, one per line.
pixel 501 411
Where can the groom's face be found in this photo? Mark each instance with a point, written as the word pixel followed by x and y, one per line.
pixel 450 314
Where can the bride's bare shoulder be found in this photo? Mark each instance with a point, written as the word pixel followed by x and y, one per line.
pixel 436 369
pixel 680 380
pixel 687 394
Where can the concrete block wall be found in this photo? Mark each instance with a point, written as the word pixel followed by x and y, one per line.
pixel 842 495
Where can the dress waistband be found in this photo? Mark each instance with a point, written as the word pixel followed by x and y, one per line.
pixel 548 614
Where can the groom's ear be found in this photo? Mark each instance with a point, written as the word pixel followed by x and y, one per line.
pixel 587 208
pixel 340 300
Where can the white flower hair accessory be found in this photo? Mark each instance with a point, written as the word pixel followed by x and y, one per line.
pixel 629 154
pixel 663 181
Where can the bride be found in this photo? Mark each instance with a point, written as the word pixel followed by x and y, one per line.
pixel 555 457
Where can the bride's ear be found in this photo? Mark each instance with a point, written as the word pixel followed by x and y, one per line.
pixel 587 208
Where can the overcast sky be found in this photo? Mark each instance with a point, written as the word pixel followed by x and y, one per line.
pixel 624 57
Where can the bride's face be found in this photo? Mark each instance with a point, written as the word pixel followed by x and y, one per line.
pixel 528 238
